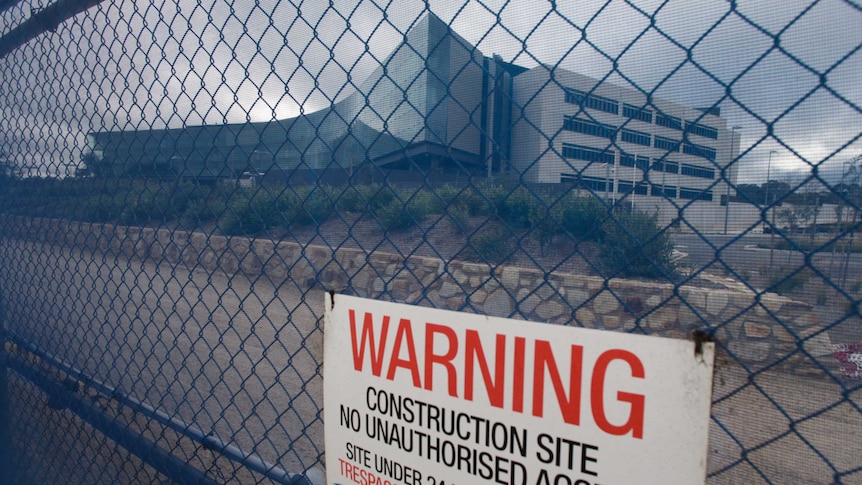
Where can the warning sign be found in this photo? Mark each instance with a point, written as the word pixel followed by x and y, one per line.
pixel 421 396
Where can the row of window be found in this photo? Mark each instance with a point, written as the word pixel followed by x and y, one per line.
pixel 588 154
pixel 636 137
pixel 635 113
pixel 599 184
pixel 588 127
pixel 600 103
pixel 602 130
pixel 695 171
pixel 628 160
pixel 669 121
pixel 699 151
pixel 577 152
pixel 702 130
pixel 608 105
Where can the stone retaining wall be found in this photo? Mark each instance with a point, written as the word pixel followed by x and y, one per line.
pixel 758 331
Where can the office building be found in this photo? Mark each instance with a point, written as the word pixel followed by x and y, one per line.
pixel 438 109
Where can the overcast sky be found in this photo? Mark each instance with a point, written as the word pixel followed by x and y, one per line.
pixel 137 64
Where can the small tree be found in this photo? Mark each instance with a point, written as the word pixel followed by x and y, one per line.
pixel 93 165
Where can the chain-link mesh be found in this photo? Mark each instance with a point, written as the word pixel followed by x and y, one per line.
pixel 182 181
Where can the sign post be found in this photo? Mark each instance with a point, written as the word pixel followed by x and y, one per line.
pixel 421 396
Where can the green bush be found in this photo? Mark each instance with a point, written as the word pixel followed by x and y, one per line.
pixel 365 198
pixel 140 201
pixel 634 245
pixel 491 245
pixel 519 209
pixel 545 223
pixel 202 211
pixel 423 203
pixel 489 196
pixel 314 206
pixel 96 208
pixel 582 217
pixel 459 215
pixel 349 199
pixel 147 203
pixel 249 212
pixel 394 216
pixel 448 194
pixel 484 199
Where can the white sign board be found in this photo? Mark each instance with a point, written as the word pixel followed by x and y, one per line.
pixel 420 396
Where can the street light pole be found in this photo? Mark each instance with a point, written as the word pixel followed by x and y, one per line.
pixel 726 181
pixel 771 229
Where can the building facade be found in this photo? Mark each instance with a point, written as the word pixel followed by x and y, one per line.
pixel 437 105
pixel 615 142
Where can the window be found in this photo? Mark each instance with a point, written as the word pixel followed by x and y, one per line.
pixel 577 152
pixel 695 171
pixel 661 165
pixel 600 103
pixel 668 191
pixel 635 113
pixel 592 183
pixel 627 186
pixel 668 144
pixel 636 137
pixel 694 194
pixel 628 160
pixel 702 130
pixel 589 127
pixel 669 121
pixel 699 151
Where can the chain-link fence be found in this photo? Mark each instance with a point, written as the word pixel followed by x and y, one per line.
pixel 181 182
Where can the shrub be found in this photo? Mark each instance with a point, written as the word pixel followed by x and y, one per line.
pixel 520 208
pixel 304 206
pixel 365 198
pixel 423 203
pixel 202 211
pixel 491 245
pixel 459 215
pixel 350 199
pixel 582 218
pixel 231 223
pixel 249 212
pixel 634 245
pixel 484 199
pixel 96 208
pixel 545 224
pixel 146 201
pixel 448 194
pixel 489 196
pixel 143 205
pixel 313 206
pixel 377 196
pixel 394 216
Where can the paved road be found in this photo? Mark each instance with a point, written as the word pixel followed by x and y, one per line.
pixel 243 358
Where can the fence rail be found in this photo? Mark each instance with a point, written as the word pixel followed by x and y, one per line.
pixel 181 183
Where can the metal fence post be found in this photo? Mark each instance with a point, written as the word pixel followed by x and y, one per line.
pixel 5 421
